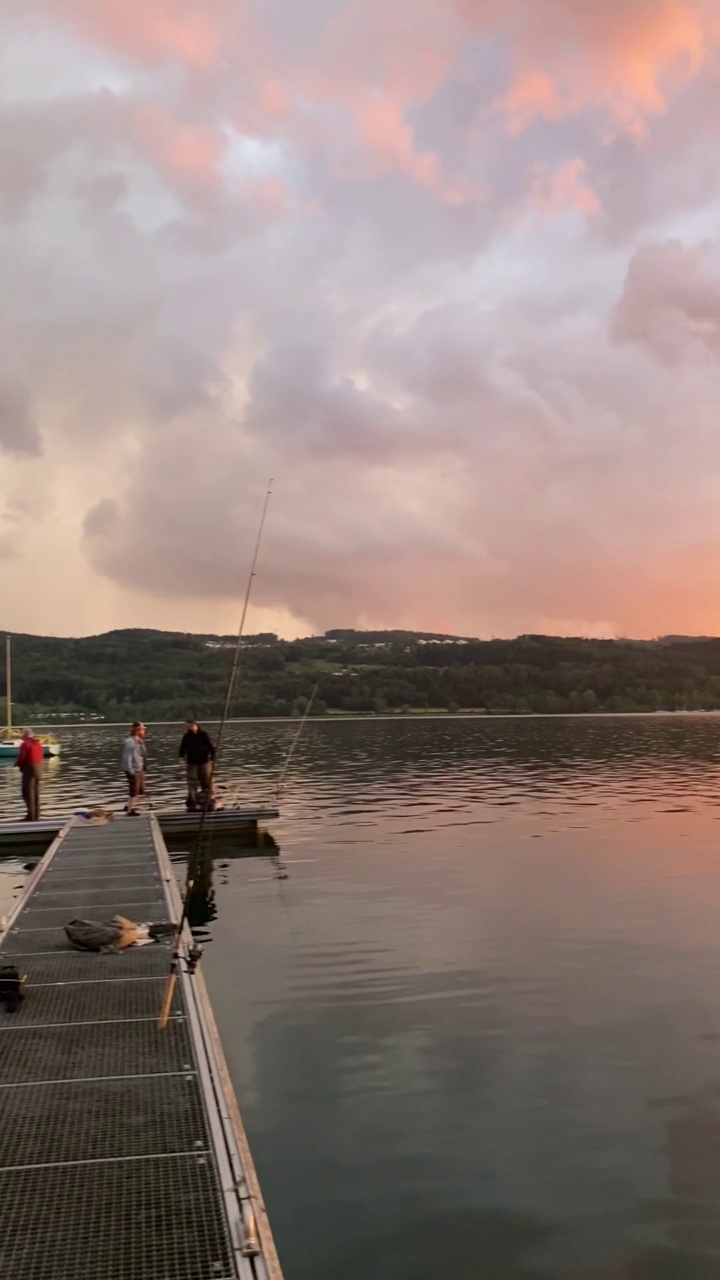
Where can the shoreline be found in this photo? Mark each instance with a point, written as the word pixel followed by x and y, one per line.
pixel 420 714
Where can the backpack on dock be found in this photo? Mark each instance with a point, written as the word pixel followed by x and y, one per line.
pixel 11 992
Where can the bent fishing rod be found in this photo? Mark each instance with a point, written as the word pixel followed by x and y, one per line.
pixel 195 861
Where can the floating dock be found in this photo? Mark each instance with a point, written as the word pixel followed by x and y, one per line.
pixel 174 824
pixel 122 1151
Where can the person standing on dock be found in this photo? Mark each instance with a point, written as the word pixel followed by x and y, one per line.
pixel 197 752
pixel 134 761
pixel 30 762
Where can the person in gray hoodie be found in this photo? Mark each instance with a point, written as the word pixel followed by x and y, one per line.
pixel 134 762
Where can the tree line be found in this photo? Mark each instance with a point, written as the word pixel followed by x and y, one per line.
pixel 164 675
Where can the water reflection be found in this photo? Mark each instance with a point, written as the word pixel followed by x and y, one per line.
pixel 476 1032
pixel 683 1227
pixel 500 947
pixel 195 868
pixel 200 894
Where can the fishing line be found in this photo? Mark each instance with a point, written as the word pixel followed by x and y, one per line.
pixel 294 743
pixel 195 861
pixel 279 867
pixel 234 797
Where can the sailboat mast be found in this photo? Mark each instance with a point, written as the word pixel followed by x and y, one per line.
pixel 8 684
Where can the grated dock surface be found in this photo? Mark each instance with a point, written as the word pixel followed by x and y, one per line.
pixel 107 1164
pixel 158 1219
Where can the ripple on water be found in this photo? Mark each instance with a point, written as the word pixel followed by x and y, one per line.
pixel 475 1031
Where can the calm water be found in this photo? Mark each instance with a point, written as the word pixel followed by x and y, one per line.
pixel 476 1033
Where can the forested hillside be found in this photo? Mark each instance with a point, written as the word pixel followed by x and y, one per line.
pixel 162 675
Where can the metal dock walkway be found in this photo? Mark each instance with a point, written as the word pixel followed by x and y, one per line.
pixel 122 1153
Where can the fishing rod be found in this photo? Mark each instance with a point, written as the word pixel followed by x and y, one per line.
pixel 193 863
pixel 294 743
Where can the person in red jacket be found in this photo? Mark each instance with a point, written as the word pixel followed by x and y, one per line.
pixel 29 762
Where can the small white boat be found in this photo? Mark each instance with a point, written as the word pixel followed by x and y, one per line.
pixel 10 745
pixel 10 742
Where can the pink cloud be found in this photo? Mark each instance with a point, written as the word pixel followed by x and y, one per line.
pixel 405 50
pixel 371 59
pixel 384 134
pixel 387 145
pixel 272 96
pixel 182 29
pixel 670 302
pixel 377 61
pixel 533 93
pixel 270 194
pixel 628 59
pixel 554 190
pixel 566 54
pixel 191 153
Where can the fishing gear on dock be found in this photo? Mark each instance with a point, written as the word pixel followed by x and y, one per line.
pixel 11 988
pixel 195 862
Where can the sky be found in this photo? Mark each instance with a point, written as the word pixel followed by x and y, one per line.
pixel 446 270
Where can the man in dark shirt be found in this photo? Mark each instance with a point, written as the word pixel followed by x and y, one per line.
pixel 198 753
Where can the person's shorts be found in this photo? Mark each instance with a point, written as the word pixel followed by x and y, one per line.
pixel 136 784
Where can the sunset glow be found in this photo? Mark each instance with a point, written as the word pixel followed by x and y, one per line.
pixel 447 270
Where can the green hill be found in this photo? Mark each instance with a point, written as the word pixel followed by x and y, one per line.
pixel 166 675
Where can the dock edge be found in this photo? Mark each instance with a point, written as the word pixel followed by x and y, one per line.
pixel 247 1215
pixel 7 922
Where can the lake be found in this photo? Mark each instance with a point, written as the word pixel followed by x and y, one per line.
pixel 476 1031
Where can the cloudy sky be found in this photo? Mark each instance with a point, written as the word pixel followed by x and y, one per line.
pixel 448 270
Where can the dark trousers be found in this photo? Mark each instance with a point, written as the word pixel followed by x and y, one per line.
pixel 136 788
pixel 31 774
pixel 199 780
